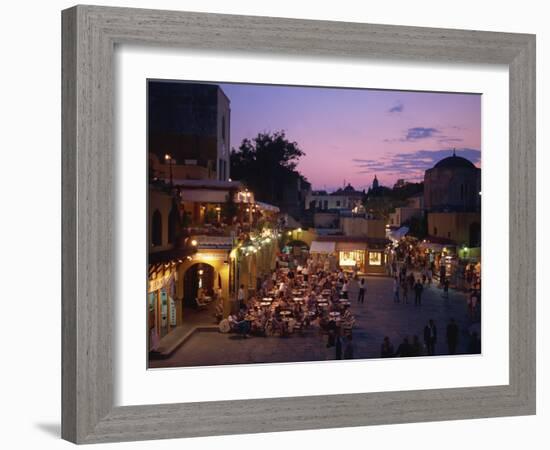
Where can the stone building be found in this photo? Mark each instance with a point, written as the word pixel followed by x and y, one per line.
pixel 453 184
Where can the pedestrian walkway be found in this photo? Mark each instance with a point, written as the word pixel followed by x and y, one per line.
pixel 379 316
pixel 194 320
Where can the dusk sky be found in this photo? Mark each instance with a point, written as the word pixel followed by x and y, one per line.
pixel 353 134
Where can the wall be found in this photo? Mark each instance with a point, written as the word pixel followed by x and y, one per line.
pixel 455 226
pixel 162 202
pixel 30 390
pixel 456 187
pixel 359 226
pixel 402 215
pixel 325 220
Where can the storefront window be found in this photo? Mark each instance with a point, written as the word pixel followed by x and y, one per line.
pixel 352 258
pixel 375 258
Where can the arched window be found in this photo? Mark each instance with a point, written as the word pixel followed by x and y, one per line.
pixel 173 221
pixel 156 228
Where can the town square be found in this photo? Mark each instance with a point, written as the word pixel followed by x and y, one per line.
pixel 258 254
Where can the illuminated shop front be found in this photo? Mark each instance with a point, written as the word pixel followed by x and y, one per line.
pixel 161 304
pixel 351 258
pixel 365 255
pixel 375 258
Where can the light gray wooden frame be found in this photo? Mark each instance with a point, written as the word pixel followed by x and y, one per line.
pixel 89 36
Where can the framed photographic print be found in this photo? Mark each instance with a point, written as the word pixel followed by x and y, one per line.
pixel 264 228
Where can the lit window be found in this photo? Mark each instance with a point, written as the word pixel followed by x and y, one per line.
pixel 375 258
pixel 352 258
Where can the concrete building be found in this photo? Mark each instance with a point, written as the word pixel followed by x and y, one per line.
pixel 463 228
pixel 292 197
pixel 360 226
pixel 189 130
pixel 341 199
pixel 453 202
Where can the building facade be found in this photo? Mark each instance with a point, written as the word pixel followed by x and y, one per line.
pixel 189 130
pixel 462 228
pixel 454 183
pixel 342 199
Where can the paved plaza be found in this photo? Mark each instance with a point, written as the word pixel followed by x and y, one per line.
pixel 379 316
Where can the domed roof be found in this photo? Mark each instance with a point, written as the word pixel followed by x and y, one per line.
pixel 453 162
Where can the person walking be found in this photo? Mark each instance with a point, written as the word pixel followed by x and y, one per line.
pixel 452 336
pixel 404 348
pixel 446 289
pixel 416 347
pixel 405 288
pixel 386 349
pixel 418 288
pixel 338 345
pixel 430 337
pixel 345 288
pixel 348 348
pixel 395 290
pixel 362 287
pixel 240 297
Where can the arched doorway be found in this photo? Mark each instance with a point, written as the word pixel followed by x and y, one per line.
pixel 200 278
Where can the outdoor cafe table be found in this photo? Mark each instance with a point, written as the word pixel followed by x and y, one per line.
pixel 265 304
pixel 298 299
pixel 285 313
pixel 267 299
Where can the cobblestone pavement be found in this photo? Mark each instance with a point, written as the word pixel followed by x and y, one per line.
pixel 379 316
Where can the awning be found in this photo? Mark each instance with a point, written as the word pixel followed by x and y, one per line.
pixel 322 247
pixel 267 207
pixel 396 235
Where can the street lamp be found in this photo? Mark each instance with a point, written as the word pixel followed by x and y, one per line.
pixel 169 160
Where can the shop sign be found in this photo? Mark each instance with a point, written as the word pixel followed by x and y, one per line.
pixel 159 282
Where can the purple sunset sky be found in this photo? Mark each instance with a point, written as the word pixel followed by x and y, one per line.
pixel 353 134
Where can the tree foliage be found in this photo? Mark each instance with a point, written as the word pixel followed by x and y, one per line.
pixel 382 201
pixel 265 162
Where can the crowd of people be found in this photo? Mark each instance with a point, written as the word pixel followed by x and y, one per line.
pixel 297 298
pixel 313 295
pixel 427 346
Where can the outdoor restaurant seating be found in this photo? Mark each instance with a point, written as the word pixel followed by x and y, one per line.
pixel 287 305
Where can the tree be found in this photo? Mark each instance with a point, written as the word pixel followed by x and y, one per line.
pixel 264 162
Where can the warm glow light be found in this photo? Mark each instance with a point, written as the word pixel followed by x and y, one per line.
pixel 167 157
pixel 299 230
pixel 201 272
pixel 194 242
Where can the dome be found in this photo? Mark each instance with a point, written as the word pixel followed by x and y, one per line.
pixel 453 162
